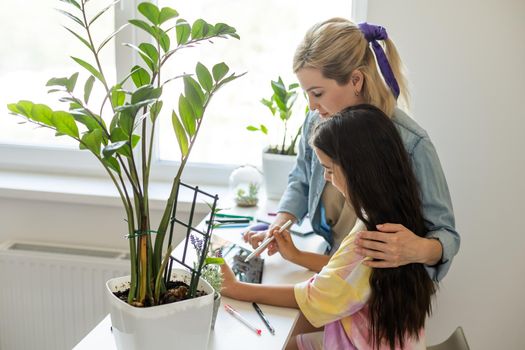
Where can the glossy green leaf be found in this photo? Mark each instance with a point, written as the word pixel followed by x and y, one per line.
pixel 57 82
pixel 71 82
pixel 166 14
pixel 264 129
pixel 119 135
pixel 198 29
pixel 252 128
pixel 214 261
pixel 204 76
pixel 65 123
pixel 42 114
pixel 231 78
pixel 103 11
pixel 144 56
pixel 72 17
pixel 84 41
pixel 125 121
pixel 88 87
pixel 89 68
pixel 291 98
pixel 111 36
pixel 118 97
pixel 113 147
pixel 195 96
pixel 180 134
pixel 219 71
pixel 223 29
pixel 24 107
pixel 144 26
pixel 146 92
pixel 112 163
pixel 140 76
pixel 13 108
pixel 187 115
pixel 89 121
pixel 92 140
pixel 151 53
pixel 183 31
pixel 163 39
pixel 155 110
pixel 150 11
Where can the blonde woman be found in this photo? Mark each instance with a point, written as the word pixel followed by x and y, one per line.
pixel 341 64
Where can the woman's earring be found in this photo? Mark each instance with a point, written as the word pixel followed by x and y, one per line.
pixel 356 93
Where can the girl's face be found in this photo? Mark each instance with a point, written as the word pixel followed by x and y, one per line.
pixel 332 171
pixel 326 95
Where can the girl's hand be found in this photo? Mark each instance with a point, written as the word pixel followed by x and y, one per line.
pixel 394 245
pixel 283 244
pixel 230 282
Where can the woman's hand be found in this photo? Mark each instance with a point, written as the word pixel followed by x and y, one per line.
pixel 394 245
pixel 255 238
pixel 283 244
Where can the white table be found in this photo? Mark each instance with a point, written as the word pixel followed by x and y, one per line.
pixel 229 333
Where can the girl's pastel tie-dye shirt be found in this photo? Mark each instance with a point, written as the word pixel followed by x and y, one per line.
pixel 336 298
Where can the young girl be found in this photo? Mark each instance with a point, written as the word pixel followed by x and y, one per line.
pixel 360 308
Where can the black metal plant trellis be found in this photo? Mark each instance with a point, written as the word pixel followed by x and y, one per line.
pixel 195 270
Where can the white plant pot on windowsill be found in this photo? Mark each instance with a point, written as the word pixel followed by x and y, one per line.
pixel 276 168
pixel 183 324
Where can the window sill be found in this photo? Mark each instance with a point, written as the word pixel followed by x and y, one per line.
pixel 88 190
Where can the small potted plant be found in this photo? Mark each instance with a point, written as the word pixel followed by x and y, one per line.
pixel 119 131
pixel 279 159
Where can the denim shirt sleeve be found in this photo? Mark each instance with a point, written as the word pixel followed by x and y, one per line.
pixel 437 205
pixel 295 197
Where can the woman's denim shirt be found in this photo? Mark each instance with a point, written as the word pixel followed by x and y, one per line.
pixel 306 183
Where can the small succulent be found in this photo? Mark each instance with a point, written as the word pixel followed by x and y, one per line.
pixel 249 199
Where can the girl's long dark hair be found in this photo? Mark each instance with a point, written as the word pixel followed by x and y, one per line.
pixel 382 188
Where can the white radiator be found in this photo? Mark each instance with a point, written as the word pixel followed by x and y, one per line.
pixel 51 296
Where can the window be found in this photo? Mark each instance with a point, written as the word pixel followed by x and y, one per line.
pixel 265 52
pixel 35 50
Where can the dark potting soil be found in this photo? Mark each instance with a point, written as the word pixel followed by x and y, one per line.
pixel 175 291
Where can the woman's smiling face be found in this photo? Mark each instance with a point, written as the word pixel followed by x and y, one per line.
pixel 326 95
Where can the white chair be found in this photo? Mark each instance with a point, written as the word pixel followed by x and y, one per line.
pixel 456 341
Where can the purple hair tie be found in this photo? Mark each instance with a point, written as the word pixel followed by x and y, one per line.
pixel 373 33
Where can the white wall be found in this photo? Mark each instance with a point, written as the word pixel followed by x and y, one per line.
pixel 466 62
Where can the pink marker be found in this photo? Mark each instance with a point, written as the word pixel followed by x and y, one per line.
pixel 238 316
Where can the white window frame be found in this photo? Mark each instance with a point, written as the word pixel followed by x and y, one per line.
pixel 75 162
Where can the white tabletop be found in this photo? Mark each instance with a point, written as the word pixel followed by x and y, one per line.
pixel 229 333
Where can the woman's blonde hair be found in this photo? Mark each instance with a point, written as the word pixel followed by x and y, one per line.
pixel 337 47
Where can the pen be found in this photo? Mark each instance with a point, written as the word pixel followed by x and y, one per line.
pixel 263 316
pixel 229 221
pixel 233 216
pixel 267 241
pixel 238 316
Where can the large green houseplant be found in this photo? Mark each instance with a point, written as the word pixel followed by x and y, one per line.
pixel 116 129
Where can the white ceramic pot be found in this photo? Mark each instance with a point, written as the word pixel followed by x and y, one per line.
pixel 182 325
pixel 276 168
